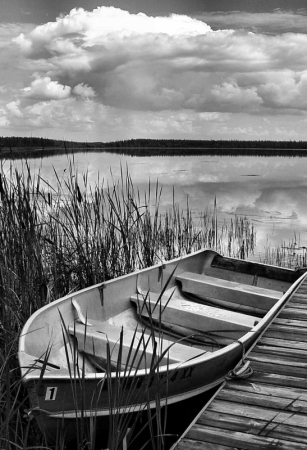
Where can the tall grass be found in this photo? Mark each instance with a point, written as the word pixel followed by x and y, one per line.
pixel 63 237
pixel 291 254
pixel 123 389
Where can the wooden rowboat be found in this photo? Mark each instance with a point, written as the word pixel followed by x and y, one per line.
pixel 163 334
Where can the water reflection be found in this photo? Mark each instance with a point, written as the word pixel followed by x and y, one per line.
pixel 271 191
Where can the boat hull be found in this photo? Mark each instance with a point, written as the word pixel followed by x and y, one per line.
pixel 60 403
pixel 64 398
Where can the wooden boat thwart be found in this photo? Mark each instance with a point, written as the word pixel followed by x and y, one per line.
pixel 175 330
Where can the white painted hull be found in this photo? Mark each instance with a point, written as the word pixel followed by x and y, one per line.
pixel 60 395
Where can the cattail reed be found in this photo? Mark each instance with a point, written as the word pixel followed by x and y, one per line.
pixel 64 237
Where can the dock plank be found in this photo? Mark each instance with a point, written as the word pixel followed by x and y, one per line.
pixel 292 354
pixel 284 343
pixel 267 401
pixel 277 380
pixel 291 393
pixel 256 412
pixel 280 350
pixel 293 313
pixel 254 426
pixel 284 332
pixel 281 367
pixel 191 444
pixel 241 440
pixel 291 322
pixel 278 360
pixel 297 305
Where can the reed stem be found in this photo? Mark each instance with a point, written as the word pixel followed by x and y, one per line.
pixel 55 239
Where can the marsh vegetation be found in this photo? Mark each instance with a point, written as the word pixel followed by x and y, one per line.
pixel 58 238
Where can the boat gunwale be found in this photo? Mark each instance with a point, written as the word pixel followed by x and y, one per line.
pixel 259 328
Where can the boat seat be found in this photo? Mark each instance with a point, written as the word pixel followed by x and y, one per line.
pixel 195 316
pixel 217 289
pixel 136 350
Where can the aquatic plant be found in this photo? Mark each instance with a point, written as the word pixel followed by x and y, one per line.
pixel 55 239
pixel 291 254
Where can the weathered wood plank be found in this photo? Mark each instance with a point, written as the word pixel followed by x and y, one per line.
pixel 284 343
pixel 292 354
pixel 256 412
pixel 284 332
pixel 281 367
pixel 296 305
pixel 278 360
pixel 300 304
pixel 298 300
pixel 287 328
pixel 258 427
pixel 301 292
pixel 266 401
pixel 191 444
pixel 278 380
pixel 293 313
pixel 291 322
pixel 298 296
pixel 267 390
pixel 279 334
pixel 241 440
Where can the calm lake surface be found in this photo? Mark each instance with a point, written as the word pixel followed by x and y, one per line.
pixel 270 191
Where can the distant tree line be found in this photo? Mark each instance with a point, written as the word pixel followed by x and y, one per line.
pixel 28 142
pixel 190 143
pixel 38 147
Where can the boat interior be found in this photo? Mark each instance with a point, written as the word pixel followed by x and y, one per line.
pixel 193 313
pixel 170 313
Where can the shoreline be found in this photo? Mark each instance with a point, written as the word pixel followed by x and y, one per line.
pixel 146 151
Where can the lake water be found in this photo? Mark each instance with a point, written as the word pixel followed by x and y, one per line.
pixel 270 191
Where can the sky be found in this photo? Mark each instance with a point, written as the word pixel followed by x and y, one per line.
pixel 91 70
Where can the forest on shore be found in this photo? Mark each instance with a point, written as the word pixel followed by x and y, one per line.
pixel 20 147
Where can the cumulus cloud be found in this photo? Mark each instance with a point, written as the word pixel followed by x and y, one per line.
pixel 57 114
pixel 14 109
pixel 276 22
pixel 288 93
pixel 84 91
pixel 235 96
pixel 136 66
pixel 45 88
pixel 82 28
pixel 140 62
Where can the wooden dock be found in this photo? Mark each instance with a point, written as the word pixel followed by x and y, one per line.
pixel 268 410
